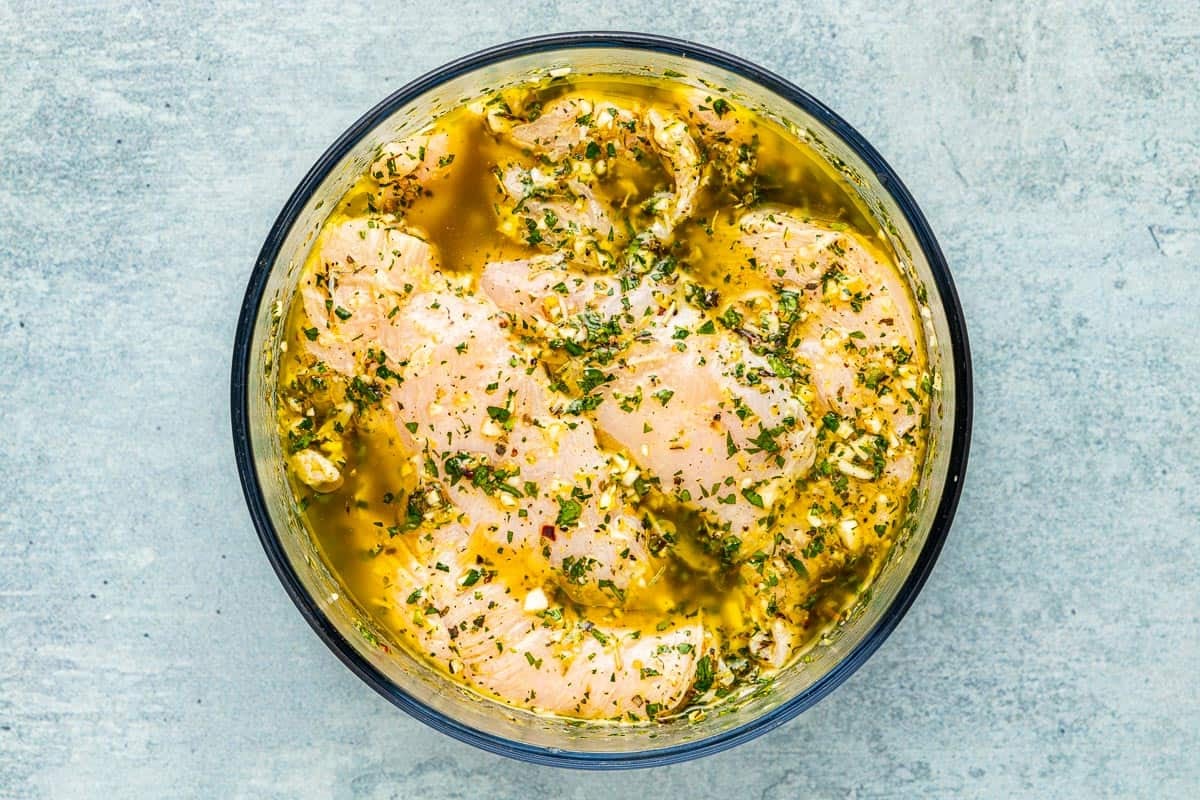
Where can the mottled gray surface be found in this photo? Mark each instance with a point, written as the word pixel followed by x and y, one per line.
pixel 147 650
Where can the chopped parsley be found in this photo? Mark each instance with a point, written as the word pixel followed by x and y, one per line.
pixel 568 512
pixel 704 674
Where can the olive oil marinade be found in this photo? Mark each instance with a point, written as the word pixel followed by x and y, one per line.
pixel 651 225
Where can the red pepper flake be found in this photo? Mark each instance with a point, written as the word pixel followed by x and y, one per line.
pixel 548 532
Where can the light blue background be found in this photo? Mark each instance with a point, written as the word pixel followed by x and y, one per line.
pixel 146 648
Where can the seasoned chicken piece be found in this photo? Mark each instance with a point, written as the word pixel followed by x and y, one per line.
pixel 775 594
pixel 687 400
pixel 710 421
pixel 713 116
pixel 510 641
pixel 725 133
pixel 473 411
pixel 582 144
pixel 678 150
pixel 548 292
pixel 556 213
pixel 480 409
pixel 570 123
pixel 859 323
pixel 363 260
pixel 415 158
pixel 407 168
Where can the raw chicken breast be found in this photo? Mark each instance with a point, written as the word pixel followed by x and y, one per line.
pixel 597 137
pixel 465 400
pixel 857 308
pixel 363 261
pixel 407 169
pixel 687 400
pixel 686 411
pixel 508 641
pixel 479 408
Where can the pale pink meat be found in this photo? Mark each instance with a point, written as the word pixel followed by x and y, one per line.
pixel 484 633
pixel 808 257
pixel 675 403
pixel 461 372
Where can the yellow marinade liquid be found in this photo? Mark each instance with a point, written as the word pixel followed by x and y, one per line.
pixel 653 229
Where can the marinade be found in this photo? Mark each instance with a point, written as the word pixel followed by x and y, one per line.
pixel 603 395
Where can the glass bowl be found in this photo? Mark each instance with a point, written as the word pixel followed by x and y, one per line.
pixel 411 684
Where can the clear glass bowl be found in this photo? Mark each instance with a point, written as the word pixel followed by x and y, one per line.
pixel 409 682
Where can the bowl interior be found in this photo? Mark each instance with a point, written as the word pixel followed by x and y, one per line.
pixel 408 681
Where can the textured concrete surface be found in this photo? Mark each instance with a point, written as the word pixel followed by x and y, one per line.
pixel 147 650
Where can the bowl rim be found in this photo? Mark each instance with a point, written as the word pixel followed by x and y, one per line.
pixel 345 650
